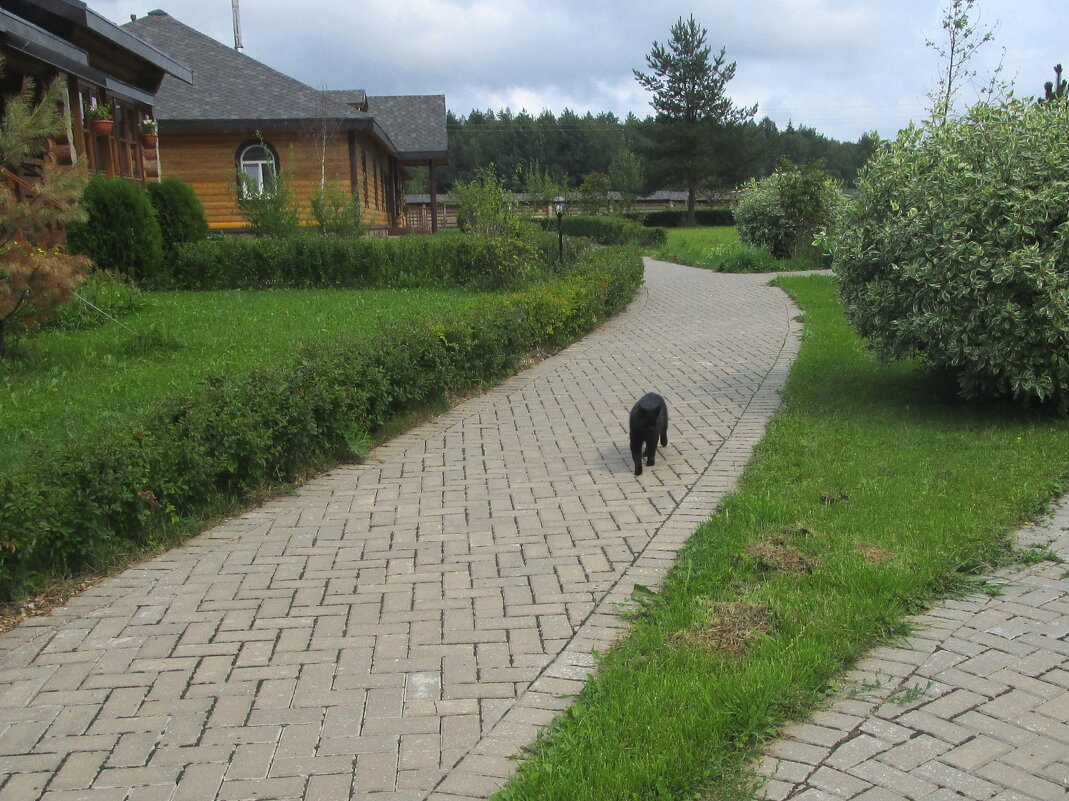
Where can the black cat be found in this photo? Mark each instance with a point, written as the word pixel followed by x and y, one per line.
pixel 649 421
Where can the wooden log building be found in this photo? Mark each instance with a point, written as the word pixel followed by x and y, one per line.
pixel 241 115
pixel 101 66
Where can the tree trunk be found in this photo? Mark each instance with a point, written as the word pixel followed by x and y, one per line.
pixel 692 197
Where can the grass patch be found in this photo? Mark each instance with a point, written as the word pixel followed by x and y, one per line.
pixel 69 382
pixel 888 490
pixel 718 248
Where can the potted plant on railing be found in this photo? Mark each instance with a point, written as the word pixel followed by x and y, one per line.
pixel 150 133
pixel 100 121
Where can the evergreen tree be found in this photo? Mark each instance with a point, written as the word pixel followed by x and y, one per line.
pixel 34 279
pixel 1056 89
pixel 694 114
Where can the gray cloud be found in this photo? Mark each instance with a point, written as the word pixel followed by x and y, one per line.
pixel 842 66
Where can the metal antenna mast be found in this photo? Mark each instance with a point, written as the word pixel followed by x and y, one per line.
pixel 237 26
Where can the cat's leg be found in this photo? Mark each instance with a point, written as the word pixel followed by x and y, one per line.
pixel 651 448
pixel 636 454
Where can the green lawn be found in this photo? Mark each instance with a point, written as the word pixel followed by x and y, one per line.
pixel 71 381
pixel 873 492
pixel 718 248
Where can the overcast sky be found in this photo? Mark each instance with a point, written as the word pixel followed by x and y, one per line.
pixel 844 67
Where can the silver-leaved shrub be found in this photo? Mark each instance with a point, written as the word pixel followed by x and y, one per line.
pixel 785 211
pixel 956 250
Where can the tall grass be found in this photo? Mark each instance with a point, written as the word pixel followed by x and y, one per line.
pixel 873 492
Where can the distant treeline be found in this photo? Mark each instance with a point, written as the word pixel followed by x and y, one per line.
pixel 571 146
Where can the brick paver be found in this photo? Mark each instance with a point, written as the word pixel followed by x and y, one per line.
pixel 974 705
pixel 400 628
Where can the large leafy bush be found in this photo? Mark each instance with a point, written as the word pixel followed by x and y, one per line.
pixel 785 211
pixel 956 249
pixel 121 233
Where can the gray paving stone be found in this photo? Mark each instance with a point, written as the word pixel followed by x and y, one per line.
pixel 376 629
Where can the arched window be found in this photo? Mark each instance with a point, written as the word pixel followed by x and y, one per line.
pixel 258 166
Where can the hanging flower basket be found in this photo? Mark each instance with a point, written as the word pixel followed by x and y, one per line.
pixel 101 127
pixel 149 140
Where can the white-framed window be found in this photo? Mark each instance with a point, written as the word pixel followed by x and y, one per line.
pixel 259 166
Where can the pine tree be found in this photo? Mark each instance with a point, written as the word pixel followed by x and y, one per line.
pixel 694 115
pixel 1056 89
pixel 34 280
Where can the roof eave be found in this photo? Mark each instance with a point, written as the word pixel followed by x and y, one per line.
pixel 61 54
pixel 171 125
pixel 138 47
pixel 419 158
pixel 78 13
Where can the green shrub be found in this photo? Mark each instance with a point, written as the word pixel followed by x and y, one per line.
pixel 956 249
pixel 671 218
pixel 594 193
pixel 121 233
pixel 179 213
pixel 487 211
pixel 269 210
pixel 236 434
pixel 313 261
pixel 605 230
pixel 785 211
pixel 336 212
pixel 111 293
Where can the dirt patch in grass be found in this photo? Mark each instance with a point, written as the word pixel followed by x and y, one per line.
pixel 778 554
pixel 730 628
pixel 874 554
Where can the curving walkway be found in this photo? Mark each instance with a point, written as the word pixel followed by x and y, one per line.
pixel 400 628
pixel 974 705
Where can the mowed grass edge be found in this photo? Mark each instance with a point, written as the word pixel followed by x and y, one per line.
pixel 874 492
pixel 718 248
pixel 72 382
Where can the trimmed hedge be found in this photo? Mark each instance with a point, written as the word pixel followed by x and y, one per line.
pixel 678 219
pixel 310 261
pixel 606 230
pixel 236 435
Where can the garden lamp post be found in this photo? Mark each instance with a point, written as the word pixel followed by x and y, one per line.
pixel 558 207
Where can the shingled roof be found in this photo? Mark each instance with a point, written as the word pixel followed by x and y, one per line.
pixel 416 124
pixel 231 89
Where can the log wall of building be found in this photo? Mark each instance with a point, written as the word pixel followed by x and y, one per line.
pixel 208 163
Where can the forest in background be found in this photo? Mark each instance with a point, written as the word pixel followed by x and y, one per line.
pixel 570 146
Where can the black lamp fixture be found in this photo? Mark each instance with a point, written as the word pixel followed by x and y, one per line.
pixel 558 208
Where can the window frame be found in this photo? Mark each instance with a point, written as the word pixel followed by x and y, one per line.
pixel 264 186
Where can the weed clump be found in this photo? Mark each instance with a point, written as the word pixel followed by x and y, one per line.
pixel 729 628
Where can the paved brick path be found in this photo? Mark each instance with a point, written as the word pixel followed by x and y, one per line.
pixel 975 705
pixel 400 628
